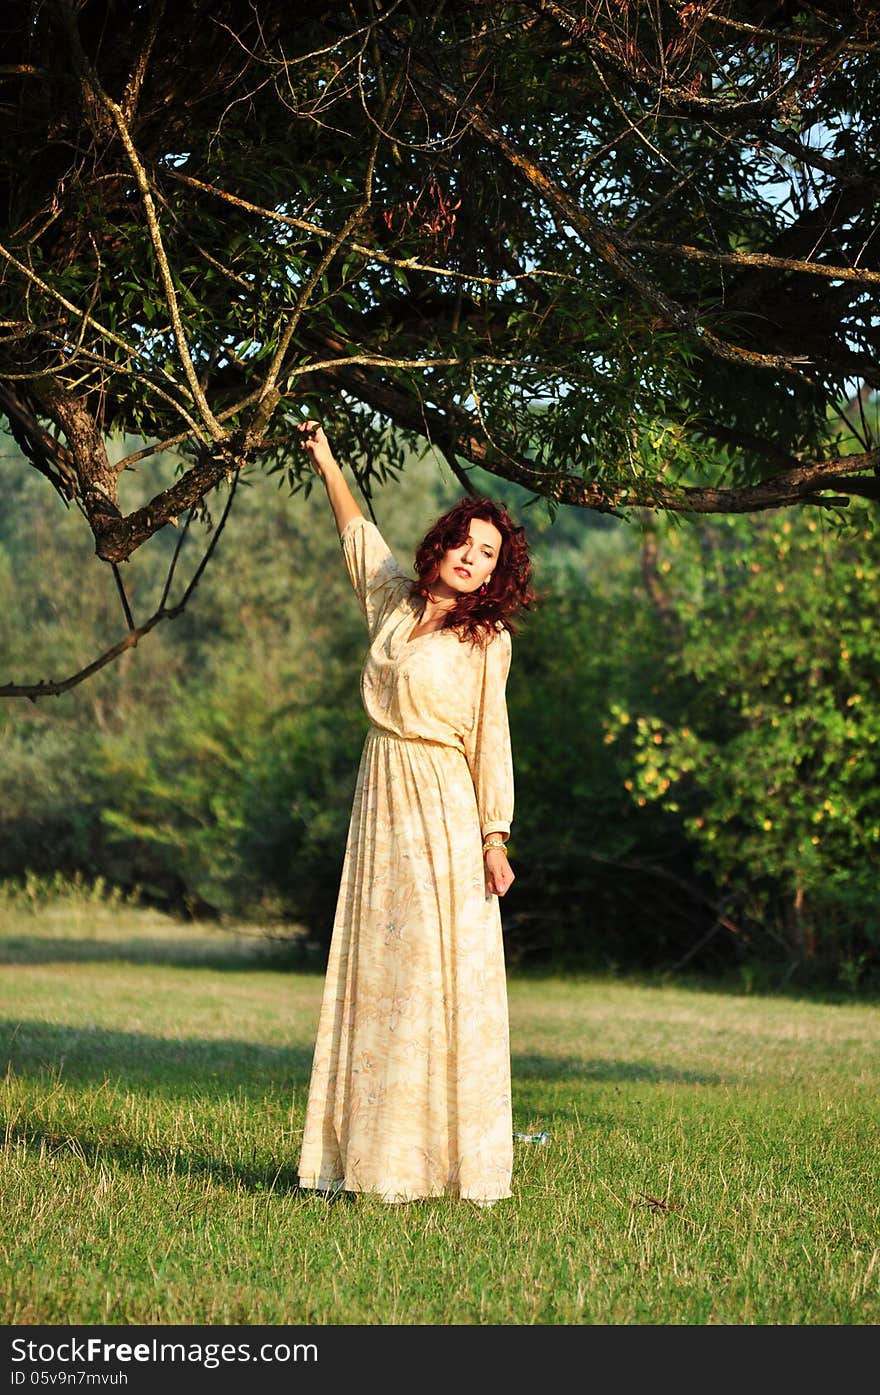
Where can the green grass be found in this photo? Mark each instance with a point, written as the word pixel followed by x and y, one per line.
pixel 713 1158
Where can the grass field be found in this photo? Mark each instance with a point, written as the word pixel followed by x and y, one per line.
pixel 713 1157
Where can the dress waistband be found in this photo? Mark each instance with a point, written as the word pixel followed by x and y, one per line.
pixel 375 730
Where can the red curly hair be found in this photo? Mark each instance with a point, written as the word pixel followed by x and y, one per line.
pixel 509 589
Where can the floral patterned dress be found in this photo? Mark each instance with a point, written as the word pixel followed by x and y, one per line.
pixel 410 1085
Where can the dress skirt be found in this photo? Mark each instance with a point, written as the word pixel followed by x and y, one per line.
pixel 410 1088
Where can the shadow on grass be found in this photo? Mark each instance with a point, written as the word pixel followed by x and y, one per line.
pixel 205 1069
pixel 188 1066
pixel 239 955
pixel 193 1066
pixel 556 1068
pixel 172 1162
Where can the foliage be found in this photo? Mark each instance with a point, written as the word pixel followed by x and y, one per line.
pixel 33 895
pixel 771 761
pixel 581 247
pixel 601 881
pixel 213 769
pixel 241 806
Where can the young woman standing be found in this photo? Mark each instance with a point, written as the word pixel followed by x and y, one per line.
pixel 410 1086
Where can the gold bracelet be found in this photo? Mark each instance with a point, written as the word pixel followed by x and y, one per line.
pixel 498 844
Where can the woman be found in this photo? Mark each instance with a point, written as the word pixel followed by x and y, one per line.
pixel 410 1086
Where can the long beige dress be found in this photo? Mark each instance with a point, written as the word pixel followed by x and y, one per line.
pixel 410 1085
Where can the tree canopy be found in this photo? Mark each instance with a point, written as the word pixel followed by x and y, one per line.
pixel 625 255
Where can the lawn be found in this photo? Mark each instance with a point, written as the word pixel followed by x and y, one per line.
pixel 712 1155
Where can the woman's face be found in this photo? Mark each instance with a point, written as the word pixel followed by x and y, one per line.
pixel 466 567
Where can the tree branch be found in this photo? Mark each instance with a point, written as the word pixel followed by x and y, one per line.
pixel 131 351
pixel 118 117
pixel 455 430
pixel 123 536
pixel 44 452
pixel 761 259
pixel 795 40
pixel 609 246
pixel 54 687
pixel 269 395
pixel 375 254
pixel 676 98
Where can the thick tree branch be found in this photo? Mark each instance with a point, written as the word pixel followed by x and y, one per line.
pixel 155 13
pixel 121 537
pixel 96 477
pixel 843 171
pixel 777 36
pixel 863 488
pixel 454 430
pixel 48 455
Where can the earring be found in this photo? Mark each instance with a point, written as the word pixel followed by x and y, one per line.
pixel 484 588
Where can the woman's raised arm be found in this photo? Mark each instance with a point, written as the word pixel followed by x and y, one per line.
pixel 343 503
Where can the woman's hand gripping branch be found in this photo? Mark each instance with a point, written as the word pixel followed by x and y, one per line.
pixel 313 441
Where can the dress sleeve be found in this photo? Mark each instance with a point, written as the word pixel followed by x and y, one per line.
pixel 375 574
pixel 487 744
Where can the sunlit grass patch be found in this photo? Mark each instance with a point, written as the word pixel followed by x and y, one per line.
pixel 711 1157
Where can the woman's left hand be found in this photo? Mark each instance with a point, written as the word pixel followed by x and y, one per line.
pixel 499 873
